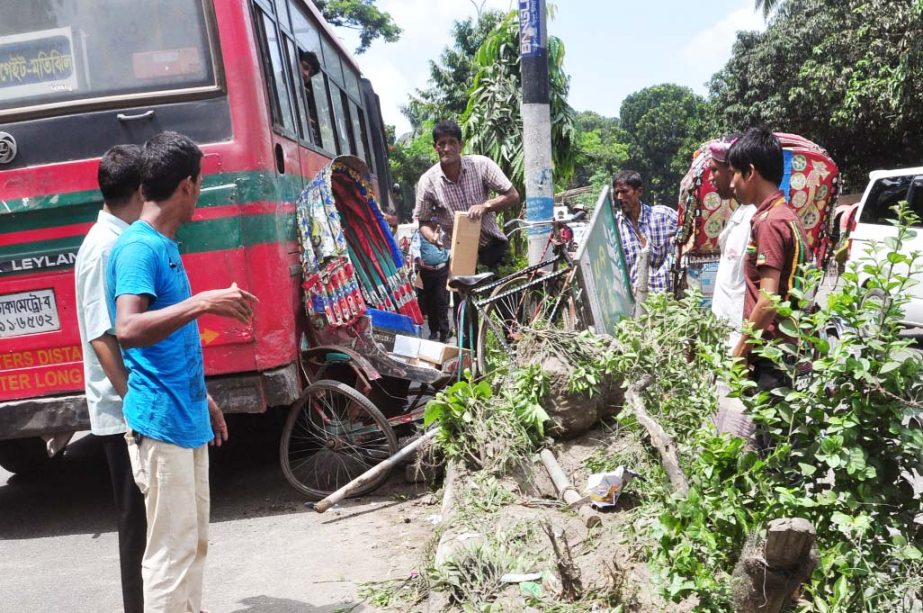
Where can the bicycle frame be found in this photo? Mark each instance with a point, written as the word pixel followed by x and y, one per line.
pixel 558 283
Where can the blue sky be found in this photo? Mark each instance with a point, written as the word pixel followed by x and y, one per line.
pixel 612 48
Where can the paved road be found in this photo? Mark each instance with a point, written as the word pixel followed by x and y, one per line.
pixel 268 553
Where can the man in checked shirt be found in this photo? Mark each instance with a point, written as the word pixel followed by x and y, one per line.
pixel 641 224
pixel 464 183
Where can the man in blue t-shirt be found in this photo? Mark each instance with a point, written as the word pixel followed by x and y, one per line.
pixel 169 413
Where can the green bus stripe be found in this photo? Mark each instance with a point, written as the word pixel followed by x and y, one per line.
pixel 39 248
pixel 218 189
pixel 196 237
pixel 232 232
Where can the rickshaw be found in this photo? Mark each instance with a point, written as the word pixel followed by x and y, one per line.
pixel 811 184
pixel 359 400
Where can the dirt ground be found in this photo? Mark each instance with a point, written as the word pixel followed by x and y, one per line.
pixel 607 558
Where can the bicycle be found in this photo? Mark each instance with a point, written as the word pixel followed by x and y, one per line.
pixel 498 309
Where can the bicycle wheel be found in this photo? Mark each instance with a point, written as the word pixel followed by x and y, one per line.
pixel 332 435
pixel 512 305
pixel 569 315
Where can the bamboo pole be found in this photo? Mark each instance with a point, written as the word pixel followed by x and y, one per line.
pixel 447 542
pixel 372 473
pixel 567 491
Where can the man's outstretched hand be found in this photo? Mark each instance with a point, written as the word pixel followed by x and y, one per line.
pixel 230 302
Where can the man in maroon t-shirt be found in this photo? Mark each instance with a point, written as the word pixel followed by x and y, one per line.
pixel 777 247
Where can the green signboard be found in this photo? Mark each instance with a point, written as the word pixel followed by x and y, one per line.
pixel 603 270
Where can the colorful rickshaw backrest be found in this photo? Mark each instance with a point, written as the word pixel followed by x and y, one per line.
pixel 810 183
pixel 350 261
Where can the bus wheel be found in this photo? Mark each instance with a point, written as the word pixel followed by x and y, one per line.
pixel 332 435
pixel 25 455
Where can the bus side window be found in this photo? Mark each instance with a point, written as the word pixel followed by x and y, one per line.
pixel 362 139
pixel 320 121
pixel 350 127
pixel 344 127
pixel 324 117
pixel 307 68
pixel 280 101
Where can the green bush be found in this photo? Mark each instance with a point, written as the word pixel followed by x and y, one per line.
pixel 846 452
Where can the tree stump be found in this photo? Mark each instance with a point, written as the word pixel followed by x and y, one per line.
pixel 765 581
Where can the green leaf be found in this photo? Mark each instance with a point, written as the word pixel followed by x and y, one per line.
pixel 889 367
pixel 841 589
pixel 788 328
pixel 910 553
pixel 807 469
pixel 432 412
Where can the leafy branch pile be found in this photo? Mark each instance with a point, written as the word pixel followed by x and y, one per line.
pixel 681 346
pixel 493 431
pixel 845 451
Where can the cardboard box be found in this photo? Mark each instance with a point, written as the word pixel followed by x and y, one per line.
pixel 422 353
pixel 436 353
pixel 466 235
pixel 421 363
pixel 406 346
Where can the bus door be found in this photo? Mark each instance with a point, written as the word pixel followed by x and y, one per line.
pixel 279 61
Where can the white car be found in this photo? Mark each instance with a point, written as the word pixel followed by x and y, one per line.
pixel 885 189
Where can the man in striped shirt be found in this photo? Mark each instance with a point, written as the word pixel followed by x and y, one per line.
pixel 641 225
pixel 464 183
pixel 777 247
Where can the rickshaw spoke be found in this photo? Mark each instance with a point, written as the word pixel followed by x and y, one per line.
pixel 334 435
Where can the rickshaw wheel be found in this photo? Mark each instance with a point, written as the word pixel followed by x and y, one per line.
pixel 332 435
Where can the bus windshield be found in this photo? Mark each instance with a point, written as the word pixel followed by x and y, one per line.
pixel 62 52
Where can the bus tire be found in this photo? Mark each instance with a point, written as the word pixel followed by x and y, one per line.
pixel 25 455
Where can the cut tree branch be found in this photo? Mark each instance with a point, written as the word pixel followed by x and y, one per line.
pixel 659 437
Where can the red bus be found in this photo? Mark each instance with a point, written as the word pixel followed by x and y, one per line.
pixel 77 77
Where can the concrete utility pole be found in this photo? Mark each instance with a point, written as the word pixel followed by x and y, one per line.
pixel 536 123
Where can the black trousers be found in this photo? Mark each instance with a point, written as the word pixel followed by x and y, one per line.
pixel 132 521
pixel 768 376
pixel 491 255
pixel 436 300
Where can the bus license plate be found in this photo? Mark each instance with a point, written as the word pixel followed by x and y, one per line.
pixel 28 313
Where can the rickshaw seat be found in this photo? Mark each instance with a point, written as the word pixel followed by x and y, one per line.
pixel 470 281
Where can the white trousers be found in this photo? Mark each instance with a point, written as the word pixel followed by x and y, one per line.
pixel 174 481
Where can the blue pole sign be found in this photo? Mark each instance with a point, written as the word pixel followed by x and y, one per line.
pixel 539 208
pixel 531 28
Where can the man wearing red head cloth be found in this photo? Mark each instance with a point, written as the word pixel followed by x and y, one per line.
pixel 728 298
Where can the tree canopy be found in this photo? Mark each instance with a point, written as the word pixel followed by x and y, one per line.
pixel 601 149
pixel 493 122
pixel 446 93
pixel 361 15
pixel 847 74
pixel 663 125
pixel 409 157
